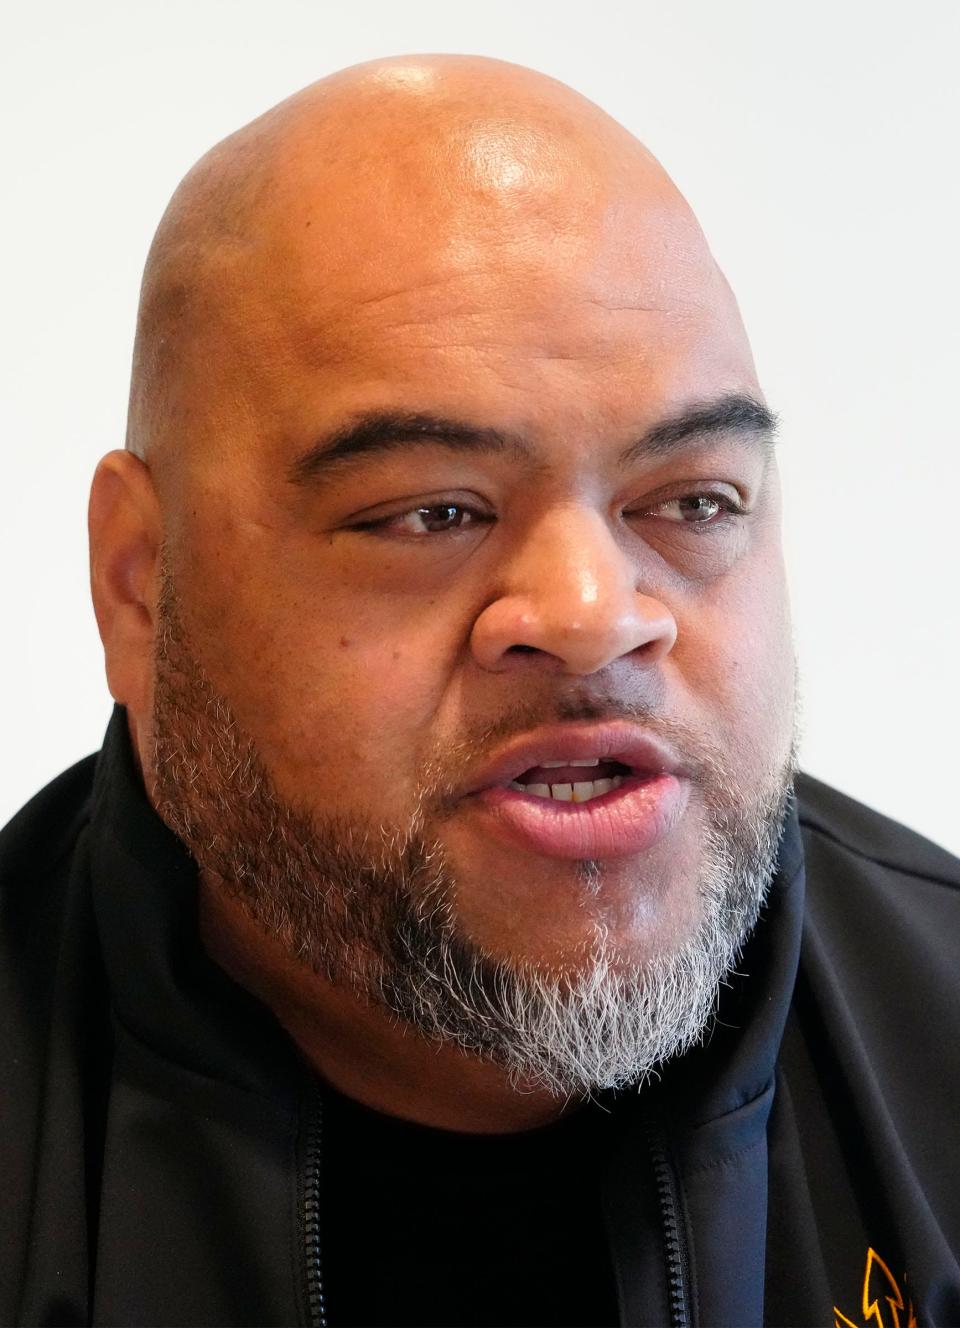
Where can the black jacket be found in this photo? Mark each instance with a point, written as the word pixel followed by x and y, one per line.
pixel 155 1138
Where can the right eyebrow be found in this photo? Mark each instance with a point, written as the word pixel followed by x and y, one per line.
pixel 378 432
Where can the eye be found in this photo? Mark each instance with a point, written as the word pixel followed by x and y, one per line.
pixel 436 519
pixel 697 509
pixel 428 519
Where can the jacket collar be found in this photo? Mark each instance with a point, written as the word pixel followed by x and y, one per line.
pixel 165 989
pixel 736 1064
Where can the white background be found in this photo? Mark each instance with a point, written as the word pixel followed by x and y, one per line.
pixel 816 141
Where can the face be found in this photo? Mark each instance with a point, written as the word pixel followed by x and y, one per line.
pixel 551 539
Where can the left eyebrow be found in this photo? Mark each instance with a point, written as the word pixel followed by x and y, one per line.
pixel 379 432
pixel 736 413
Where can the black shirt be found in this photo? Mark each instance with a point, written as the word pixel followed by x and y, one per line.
pixel 432 1227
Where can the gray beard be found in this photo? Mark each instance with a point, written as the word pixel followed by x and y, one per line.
pixel 373 911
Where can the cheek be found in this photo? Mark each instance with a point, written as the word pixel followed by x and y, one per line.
pixel 735 652
pixel 338 691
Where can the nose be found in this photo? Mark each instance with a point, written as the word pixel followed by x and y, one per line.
pixel 570 595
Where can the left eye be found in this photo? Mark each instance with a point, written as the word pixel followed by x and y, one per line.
pixel 696 509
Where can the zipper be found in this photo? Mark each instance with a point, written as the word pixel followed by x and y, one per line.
pixel 674 1240
pixel 674 1236
pixel 316 1300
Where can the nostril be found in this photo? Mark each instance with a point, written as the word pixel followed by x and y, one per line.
pixel 522 650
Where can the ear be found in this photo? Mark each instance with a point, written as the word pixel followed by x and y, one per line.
pixel 126 534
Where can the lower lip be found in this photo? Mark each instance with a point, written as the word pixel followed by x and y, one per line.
pixel 629 819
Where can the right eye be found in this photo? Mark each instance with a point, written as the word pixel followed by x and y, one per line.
pixel 428 519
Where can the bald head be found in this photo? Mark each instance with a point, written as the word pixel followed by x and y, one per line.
pixel 410 174
pixel 447 435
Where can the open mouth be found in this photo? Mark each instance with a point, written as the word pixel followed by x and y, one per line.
pixel 588 791
pixel 569 781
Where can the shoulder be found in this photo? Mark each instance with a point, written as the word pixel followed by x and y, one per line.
pixel 833 822
pixel 883 902
pixel 871 1054
pixel 38 843
pixel 50 1024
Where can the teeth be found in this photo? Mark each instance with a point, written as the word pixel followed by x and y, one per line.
pixel 579 792
pixel 558 765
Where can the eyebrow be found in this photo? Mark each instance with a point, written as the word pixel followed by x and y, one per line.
pixel 380 432
pixel 736 413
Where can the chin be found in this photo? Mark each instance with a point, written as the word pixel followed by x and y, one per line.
pixel 555 913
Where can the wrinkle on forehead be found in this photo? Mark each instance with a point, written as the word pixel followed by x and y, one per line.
pixel 412 176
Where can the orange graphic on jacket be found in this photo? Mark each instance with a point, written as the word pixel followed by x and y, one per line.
pixel 883 1301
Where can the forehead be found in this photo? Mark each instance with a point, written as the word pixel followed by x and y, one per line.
pixel 520 251
pixel 527 310
pixel 537 301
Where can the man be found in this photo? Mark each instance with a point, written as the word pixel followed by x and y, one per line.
pixel 422 948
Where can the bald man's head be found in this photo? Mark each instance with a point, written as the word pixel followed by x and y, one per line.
pixel 418 171
pixel 447 458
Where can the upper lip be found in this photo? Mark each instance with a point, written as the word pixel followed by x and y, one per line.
pixel 619 741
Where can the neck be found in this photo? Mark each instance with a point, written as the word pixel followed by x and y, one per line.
pixel 363 1050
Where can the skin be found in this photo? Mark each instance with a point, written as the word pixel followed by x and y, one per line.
pixel 470 239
